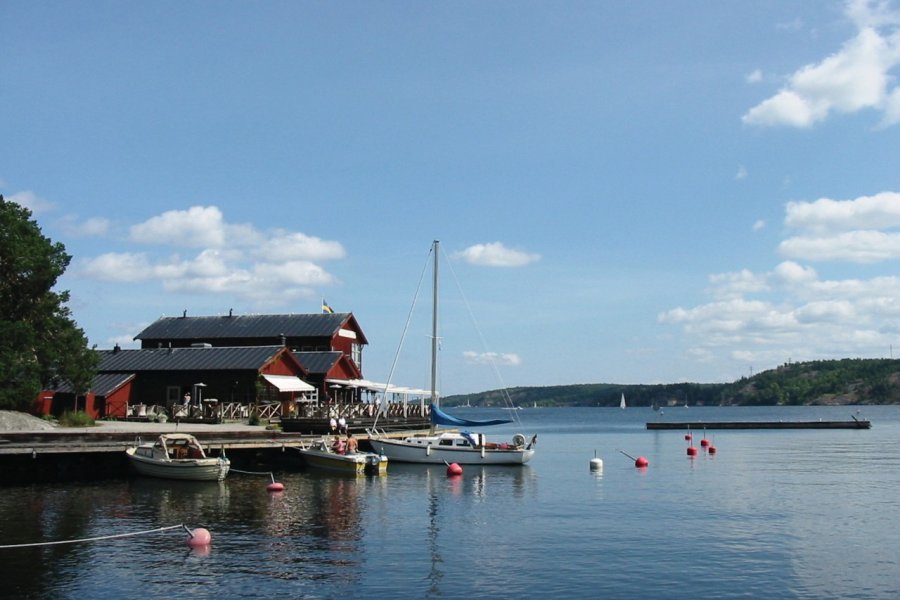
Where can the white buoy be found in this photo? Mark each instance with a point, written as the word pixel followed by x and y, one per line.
pixel 596 463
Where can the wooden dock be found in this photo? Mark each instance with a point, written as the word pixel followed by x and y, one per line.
pixel 854 424
pixel 91 454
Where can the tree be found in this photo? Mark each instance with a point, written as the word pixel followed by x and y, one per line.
pixel 40 343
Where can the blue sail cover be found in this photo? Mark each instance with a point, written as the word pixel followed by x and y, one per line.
pixel 439 417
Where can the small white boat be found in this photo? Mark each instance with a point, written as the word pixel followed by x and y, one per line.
pixel 622 402
pixel 320 455
pixel 177 456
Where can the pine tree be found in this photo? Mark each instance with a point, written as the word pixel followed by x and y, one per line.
pixel 40 343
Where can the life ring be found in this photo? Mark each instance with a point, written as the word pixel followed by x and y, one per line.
pixel 518 440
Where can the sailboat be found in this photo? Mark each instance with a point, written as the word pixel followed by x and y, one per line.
pixel 451 446
pixel 622 402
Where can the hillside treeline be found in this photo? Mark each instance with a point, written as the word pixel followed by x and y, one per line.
pixel 846 381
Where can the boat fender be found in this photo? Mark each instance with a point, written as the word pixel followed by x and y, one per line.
pixel 482 451
pixel 518 440
pixel 428 450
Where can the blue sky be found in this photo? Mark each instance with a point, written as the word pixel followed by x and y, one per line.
pixel 626 192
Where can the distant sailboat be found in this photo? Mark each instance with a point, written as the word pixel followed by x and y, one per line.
pixel 622 402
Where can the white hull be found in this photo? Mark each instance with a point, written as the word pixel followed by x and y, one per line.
pixel 412 450
pixel 177 456
pixel 191 469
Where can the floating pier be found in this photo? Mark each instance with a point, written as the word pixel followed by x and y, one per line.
pixel 854 424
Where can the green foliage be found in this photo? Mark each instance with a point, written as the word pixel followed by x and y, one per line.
pixel 76 419
pixel 846 381
pixel 39 341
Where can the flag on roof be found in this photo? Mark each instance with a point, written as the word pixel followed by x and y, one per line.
pixel 325 308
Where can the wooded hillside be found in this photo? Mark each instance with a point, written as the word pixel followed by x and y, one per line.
pixel 846 381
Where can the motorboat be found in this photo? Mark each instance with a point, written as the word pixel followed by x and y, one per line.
pixel 321 455
pixel 177 456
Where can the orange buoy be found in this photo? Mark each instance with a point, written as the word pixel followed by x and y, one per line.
pixel 454 469
pixel 641 462
pixel 275 486
pixel 199 538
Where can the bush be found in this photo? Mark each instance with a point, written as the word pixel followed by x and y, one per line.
pixel 76 419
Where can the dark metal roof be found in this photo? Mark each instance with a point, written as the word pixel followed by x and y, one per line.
pixel 102 385
pixel 245 326
pixel 318 363
pixel 187 359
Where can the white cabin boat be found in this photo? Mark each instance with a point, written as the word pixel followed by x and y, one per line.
pixel 451 447
pixel 177 456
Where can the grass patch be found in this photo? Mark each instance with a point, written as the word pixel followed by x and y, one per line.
pixel 76 419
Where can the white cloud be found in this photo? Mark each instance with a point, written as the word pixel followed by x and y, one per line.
pixel 866 212
pixel 496 255
pixel 844 230
pixel 285 245
pixel 31 201
pixel 116 267
pixel 759 225
pixel 741 173
pixel 730 285
pixel 92 227
pixel 492 358
pixel 266 269
pixel 793 311
pixel 754 77
pixel 852 246
pixel 856 77
pixel 196 227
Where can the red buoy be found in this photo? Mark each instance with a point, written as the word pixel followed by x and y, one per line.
pixel 688 436
pixel 711 449
pixel 641 462
pixel 692 451
pixel 275 486
pixel 704 442
pixel 453 469
pixel 199 538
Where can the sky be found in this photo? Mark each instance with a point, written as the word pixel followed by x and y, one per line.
pixel 625 192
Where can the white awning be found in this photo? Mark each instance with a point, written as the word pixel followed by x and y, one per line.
pixel 379 387
pixel 288 383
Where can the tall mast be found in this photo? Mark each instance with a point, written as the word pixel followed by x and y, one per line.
pixel 434 326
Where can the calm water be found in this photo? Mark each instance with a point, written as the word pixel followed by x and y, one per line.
pixel 777 514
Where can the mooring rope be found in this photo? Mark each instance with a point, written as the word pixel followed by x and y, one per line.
pixel 94 539
pixel 269 473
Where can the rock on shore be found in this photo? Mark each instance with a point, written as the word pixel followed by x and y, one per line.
pixel 11 420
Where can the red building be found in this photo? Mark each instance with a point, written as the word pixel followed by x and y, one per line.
pixel 234 360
